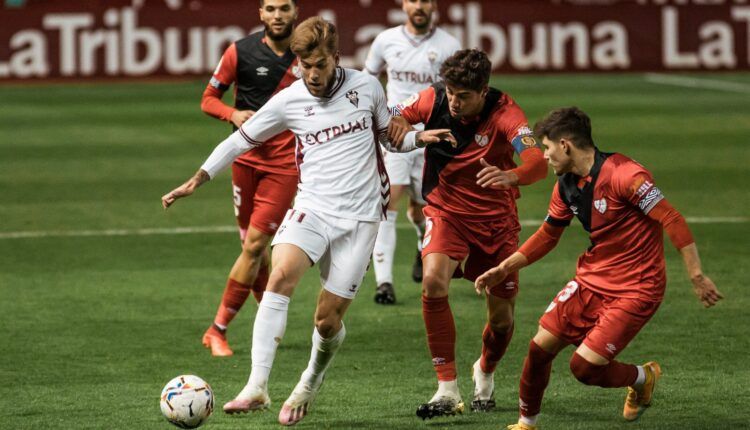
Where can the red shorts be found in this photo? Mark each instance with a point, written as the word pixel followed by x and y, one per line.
pixel 605 324
pixel 261 198
pixel 483 246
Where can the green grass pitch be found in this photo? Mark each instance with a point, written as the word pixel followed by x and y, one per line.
pixel 93 326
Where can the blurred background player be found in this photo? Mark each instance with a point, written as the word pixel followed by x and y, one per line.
pixel 339 116
pixel 471 193
pixel 620 280
pixel 412 55
pixel 264 181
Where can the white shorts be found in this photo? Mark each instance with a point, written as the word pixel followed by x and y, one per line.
pixel 341 247
pixel 405 168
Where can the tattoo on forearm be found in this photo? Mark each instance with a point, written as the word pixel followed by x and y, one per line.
pixel 201 176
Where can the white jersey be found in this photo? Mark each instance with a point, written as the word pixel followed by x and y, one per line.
pixel 413 62
pixel 340 165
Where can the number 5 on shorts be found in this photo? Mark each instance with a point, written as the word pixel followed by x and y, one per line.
pixel 563 296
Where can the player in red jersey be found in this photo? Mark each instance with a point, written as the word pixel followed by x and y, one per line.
pixel 264 181
pixel 620 279
pixel 471 190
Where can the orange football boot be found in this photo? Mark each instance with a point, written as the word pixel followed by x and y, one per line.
pixel 638 399
pixel 216 342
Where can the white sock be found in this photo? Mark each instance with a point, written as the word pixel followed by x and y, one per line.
pixel 270 324
pixel 641 379
pixel 321 354
pixel 528 420
pixel 420 228
pixel 385 247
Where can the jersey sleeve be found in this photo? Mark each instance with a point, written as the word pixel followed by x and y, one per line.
pixel 515 126
pixel 417 108
pixel 635 184
pixel 269 121
pixel 375 61
pixel 381 115
pixel 558 213
pixel 223 77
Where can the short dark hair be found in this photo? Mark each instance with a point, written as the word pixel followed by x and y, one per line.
pixel 467 68
pixel 263 2
pixel 569 123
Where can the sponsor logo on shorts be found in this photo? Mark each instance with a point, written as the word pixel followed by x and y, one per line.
pixel 611 348
pixel 273 226
pixel 510 285
pixel 353 288
pixel 438 361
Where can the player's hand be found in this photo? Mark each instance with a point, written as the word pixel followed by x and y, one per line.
pixel 491 176
pixel 185 189
pixel 706 290
pixel 397 129
pixel 240 116
pixel 429 137
pixel 490 278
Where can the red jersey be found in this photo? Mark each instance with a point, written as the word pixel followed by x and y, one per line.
pixel 450 174
pixel 257 74
pixel 626 256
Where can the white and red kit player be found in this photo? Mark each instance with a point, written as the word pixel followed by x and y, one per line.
pixel 264 181
pixel 620 279
pixel 336 116
pixel 411 54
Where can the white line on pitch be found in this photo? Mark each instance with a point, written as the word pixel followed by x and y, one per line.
pixel 702 83
pixel 233 229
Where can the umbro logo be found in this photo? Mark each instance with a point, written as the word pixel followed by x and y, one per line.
pixel 262 71
pixel 432 56
pixel 600 205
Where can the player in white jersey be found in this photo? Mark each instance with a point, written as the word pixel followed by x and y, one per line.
pixel 411 54
pixel 335 114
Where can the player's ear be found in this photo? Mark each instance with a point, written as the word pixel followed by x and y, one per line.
pixel 337 57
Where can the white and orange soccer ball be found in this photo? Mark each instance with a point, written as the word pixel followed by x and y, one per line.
pixel 187 401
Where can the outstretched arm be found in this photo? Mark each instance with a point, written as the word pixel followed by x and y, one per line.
pixel 676 227
pixel 537 246
pixel 268 122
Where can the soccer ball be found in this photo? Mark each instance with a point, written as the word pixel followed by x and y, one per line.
pixel 187 401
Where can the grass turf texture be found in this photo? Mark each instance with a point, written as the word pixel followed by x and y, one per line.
pixel 94 326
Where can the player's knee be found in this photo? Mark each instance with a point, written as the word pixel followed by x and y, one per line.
pixel 434 286
pixel 586 372
pixel 502 325
pixel 327 325
pixel 280 282
pixel 254 249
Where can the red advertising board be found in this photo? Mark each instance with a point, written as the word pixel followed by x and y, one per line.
pixel 77 39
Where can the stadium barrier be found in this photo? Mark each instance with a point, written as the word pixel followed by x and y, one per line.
pixel 81 39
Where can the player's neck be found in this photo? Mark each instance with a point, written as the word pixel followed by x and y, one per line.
pixel 279 47
pixel 584 162
pixel 414 31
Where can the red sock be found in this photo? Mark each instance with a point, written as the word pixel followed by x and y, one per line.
pixel 611 375
pixel 494 345
pixel 234 297
pixel 441 336
pixel 260 282
pixel 534 379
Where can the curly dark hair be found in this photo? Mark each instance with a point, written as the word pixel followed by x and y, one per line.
pixel 468 68
pixel 570 123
